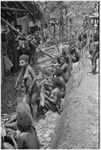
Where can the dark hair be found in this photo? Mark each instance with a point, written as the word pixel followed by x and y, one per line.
pixel 58 72
pixel 58 82
pixel 59 58
pixel 24 57
pixel 23 122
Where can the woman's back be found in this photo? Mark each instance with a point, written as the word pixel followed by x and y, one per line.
pixel 30 140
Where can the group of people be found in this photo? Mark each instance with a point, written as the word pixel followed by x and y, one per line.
pixel 34 99
pixel 27 47
pixel 14 45
pixel 19 131
pixel 24 135
pixel 51 89
pixel 54 88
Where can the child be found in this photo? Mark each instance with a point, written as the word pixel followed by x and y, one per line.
pixel 27 77
pixel 26 82
pixel 28 138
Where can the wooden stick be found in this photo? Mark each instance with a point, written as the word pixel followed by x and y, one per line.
pixel 13 9
pixel 26 38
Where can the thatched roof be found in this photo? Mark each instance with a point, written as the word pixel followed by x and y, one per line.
pixel 9 10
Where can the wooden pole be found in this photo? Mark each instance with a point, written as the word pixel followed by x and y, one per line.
pixel 26 38
pixel 13 9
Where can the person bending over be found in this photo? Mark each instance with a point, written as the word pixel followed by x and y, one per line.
pixel 21 108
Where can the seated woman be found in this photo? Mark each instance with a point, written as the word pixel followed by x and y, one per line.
pixel 25 136
pixel 53 100
pixel 27 139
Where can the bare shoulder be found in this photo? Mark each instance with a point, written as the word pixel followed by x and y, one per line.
pixel 30 141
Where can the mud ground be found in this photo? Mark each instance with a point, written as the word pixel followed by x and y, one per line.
pixel 78 126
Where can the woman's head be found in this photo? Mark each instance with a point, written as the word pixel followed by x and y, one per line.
pixel 23 122
pixel 57 83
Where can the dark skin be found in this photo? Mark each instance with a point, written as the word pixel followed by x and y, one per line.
pixel 28 140
pixel 24 140
pixel 34 79
pixel 24 64
pixel 51 99
pixel 55 99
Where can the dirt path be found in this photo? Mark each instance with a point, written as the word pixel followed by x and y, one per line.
pixel 78 125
